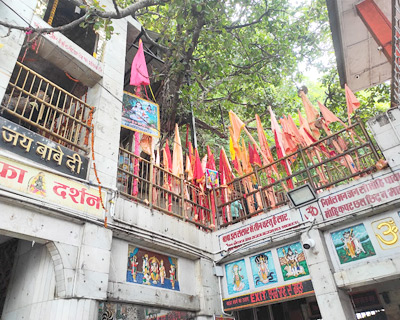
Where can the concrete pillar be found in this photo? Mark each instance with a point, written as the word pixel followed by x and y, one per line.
pixel 207 290
pixel 333 302
pixel 12 43
pixel 106 97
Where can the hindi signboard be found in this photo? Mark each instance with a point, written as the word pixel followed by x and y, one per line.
pixel 51 188
pixel 39 149
pixel 140 115
pixel 281 293
pixel 377 191
pixel 265 226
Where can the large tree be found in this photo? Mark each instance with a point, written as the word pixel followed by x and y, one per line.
pixel 220 55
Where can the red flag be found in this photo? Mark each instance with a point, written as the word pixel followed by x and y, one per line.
pixel 139 74
pixel 352 102
pixel 198 173
pixel 251 153
pixel 257 159
pixel 168 154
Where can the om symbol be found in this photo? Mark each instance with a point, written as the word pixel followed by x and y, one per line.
pixel 387 231
pixel 312 210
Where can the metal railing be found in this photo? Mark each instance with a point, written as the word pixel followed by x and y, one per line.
pixel 157 188
pixel 42 106
pixel 395 92
pixel 332 161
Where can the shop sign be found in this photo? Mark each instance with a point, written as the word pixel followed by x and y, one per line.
pixel 266 226
pixel 370 193
pixel 276 294
pixel 39 149
pixel 49 187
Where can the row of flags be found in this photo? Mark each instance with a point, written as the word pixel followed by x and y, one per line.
pixel 288 137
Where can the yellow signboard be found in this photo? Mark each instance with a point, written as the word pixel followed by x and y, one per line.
pixel 50 187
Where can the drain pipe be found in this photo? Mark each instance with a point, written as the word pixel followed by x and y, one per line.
pixel 220 294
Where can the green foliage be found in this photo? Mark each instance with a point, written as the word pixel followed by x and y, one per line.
pixel 96 22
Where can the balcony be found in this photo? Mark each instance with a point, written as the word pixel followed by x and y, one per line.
pixel 330 162
pixel 45 108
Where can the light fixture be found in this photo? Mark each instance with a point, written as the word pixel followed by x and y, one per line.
pixel 302 195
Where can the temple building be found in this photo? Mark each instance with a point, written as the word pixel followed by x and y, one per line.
pixel 95 224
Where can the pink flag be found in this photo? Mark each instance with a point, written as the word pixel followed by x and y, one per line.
pixel 139 74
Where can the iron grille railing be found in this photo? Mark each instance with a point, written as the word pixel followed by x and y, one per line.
pixel 153 186
pixel 332 161
pixel 44 107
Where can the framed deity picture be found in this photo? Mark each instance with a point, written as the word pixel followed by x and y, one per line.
pixel 140 115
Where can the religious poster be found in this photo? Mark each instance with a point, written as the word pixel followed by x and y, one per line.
pixel 352 244
pixel 293 262
pixel 262 266
pixel 236 277
pixel 152 269
pixel 140 115
pixel 51 188
pixel 211 179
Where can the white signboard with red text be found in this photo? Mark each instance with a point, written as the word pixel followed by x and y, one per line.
pixel 262 227
pixel 51 188
pixel 373 192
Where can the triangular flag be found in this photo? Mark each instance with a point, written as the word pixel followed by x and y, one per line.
pixel 328 115
pixel 198 173
pixel 257 159
pixel 177 156
pixel 236 125
pixel 139 73
pixel 263 141
pixel 352 102
pixel 312 114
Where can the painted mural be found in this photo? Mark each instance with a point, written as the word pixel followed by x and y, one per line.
pixel 352 244
pixel 153 269
pixel 236 277
pixel 293 262
pixel 262 266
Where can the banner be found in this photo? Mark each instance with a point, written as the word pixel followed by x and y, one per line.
pixel 49 187
pixel 140 115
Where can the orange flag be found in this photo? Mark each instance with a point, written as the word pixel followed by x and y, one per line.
pixel 312 114
pixel 288 140
pixel 236 125
pixel 146 144
pixel 352 102
pixel 188 169
pixel 328 115
pixel 177 156
pixel 263 142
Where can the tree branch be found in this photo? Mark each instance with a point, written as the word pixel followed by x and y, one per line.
pixel 232 27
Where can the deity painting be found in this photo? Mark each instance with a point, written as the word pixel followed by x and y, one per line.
pixel 263 269
pixel 211 179
pixel 37 184
pixel 293 262
pixel 152 269
pixel 236 277
pixel 352 244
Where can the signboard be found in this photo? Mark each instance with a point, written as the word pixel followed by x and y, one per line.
pixel 266 226
pixel 236 277
pixel 212 180
pixel 140 115
pixel 275 294
pixel 50 187
pixel 39 149
pixel 373 192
